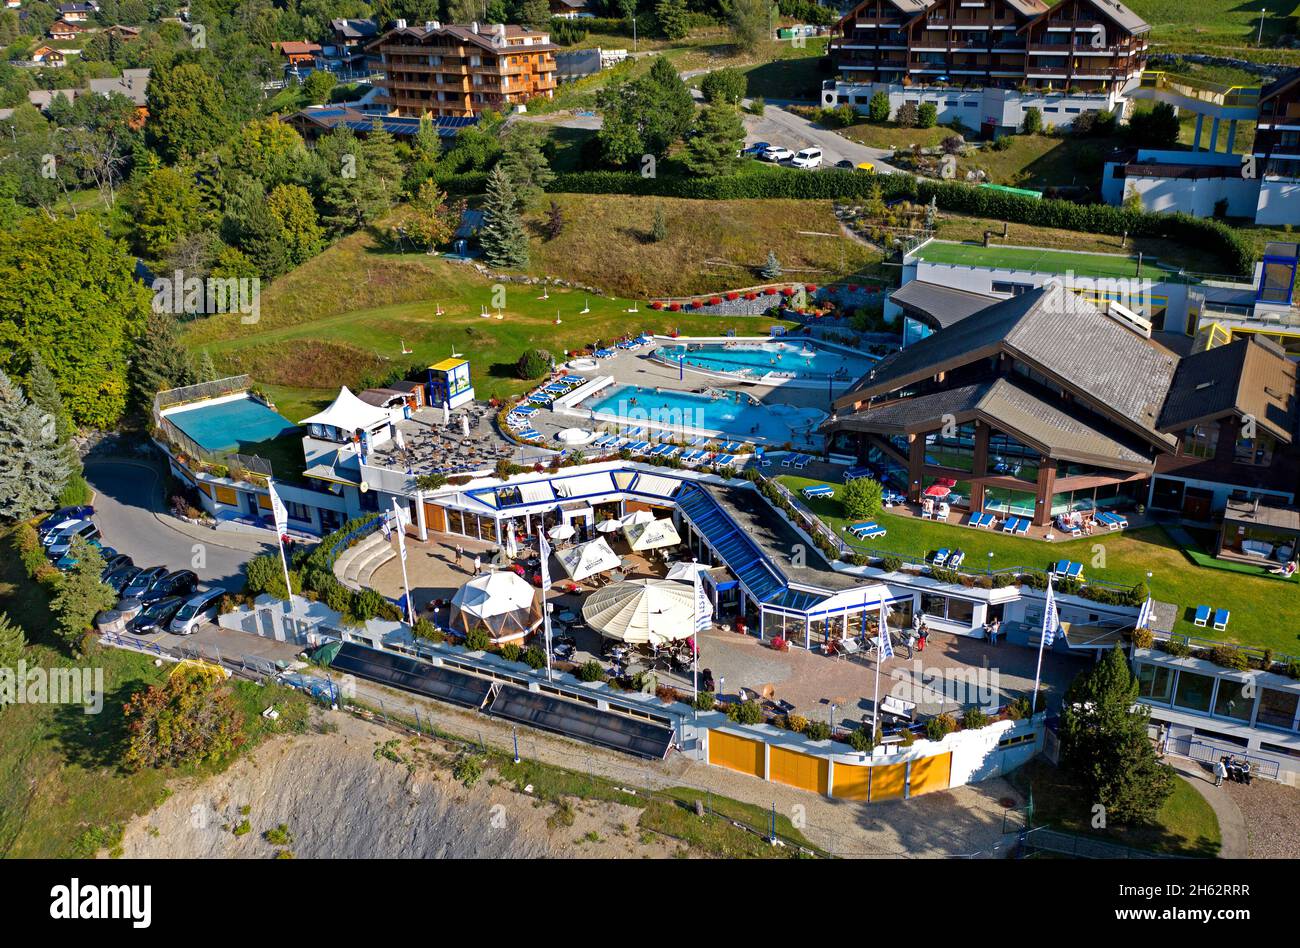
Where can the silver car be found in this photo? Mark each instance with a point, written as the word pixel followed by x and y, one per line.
pixel 201 608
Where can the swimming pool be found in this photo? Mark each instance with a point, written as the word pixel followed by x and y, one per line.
pixel 230 424
pixel 732 413
pixel 801 363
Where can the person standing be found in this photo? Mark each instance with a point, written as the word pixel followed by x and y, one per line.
pixel 459 554
pixel 478 564
pixel 1220 771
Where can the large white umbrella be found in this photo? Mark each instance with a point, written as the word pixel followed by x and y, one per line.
pixel 512 544
pixel 588 559
pixel 612 525
pixel 561 531
pixel 642 611
pixel 685 572
pixel 638 516
pixel 652 535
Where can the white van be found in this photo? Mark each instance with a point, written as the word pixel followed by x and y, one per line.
pixel 203 607
pixel 807 158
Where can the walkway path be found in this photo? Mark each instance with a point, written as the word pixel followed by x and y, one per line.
pixel 1232 825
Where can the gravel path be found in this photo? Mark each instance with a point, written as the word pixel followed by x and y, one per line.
pixel 1272 812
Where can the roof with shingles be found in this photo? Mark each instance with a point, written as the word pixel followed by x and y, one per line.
pixel 946 305
pixel 1245 377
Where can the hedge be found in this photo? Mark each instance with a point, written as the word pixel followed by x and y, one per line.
pixel 1211 235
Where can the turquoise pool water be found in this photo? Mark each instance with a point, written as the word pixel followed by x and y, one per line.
pixel 799 360
pixel 231 426
pixel 731 412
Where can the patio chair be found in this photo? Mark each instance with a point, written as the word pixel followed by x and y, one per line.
pixel 1202 616
pixel 940 557
pixel 1221 620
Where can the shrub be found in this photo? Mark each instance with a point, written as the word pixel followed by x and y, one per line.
pixel 940 726
pixel 907 115
pixel 1033 123
pixel 891 564
pixel 878 108
pixel 368 604
pixel 478 640
pixel 1177 647
pixel 1293 668
pixel 927 116
pixel 861 739
pixel 862 498
pixel 424 629
pixel 533 364
pixel 745 712
pixel 511 652
pixel 280 836
pixel 1229 656
pixel 974 719
pixel 817 731
pixel 591 671
pixel 467 770
pixel 534 657
pixel 1142 638
pixel 704 701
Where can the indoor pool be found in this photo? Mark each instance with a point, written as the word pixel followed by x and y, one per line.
pixel 231 425
pixel 730 412
pixel 797 361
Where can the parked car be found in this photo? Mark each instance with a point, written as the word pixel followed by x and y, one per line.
pixel 87 530
pixel 142 581
pixel 182 582
pixel 67 560
pixel 62 529
pixel 200 609
pixel 845 164
pixel 778 153
pixel 120 577
pixel 157 615
pixel 114 564
pixel 64 516
pixel 807 158
pixel 755 149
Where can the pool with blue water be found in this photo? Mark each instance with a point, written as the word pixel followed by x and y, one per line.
pixel 732 413
pixel 802 362
pixel 234 425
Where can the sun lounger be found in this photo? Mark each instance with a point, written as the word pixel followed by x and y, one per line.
pixel 802 461
pixel 694 457
pixel 867 530
pixel 633 432
pixel 529 434
pixel 1113 520
pixel 732 447
pixel 524 410
pixel 725 460
pixel 604 353
pixel 956 559
pixel 1221 620
pixel 940 557
pixel 1202 616
pixel 818 490
pixel 853 473
pixel 787 460
pixel 637 447
pixel 1067 569
pixel 668 450
pixel 981 519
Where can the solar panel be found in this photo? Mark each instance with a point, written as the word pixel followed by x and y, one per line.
pixel 409 674
pixel 583 722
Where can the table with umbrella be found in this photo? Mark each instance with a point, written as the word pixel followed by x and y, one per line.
pixel 654 616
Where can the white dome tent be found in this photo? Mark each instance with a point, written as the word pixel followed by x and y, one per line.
pixel 502 602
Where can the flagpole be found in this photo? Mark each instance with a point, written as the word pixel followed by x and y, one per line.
pixel 544 554
pixel 880 658
pixel 401 546
pixel 281 517
pixel 1048 610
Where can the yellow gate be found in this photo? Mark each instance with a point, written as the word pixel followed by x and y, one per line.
pixel 798 770
pixel 852 783
pixel 931 773
pixel 887 781
pixel 736 753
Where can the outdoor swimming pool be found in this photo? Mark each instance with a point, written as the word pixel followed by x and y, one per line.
pixel 801 362
pixel 733 413
pixel 235 424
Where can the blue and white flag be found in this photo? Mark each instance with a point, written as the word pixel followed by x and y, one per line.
pixel 703 605
pixel 544 554
pixel 1051 619
pixel 1145 615
pixel 278 510
pixel 886 646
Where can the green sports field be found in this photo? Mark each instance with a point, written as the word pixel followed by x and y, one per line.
pixel 1032 259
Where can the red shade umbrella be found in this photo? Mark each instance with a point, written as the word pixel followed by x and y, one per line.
pixel 937 490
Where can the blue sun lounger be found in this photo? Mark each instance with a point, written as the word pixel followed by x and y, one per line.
pixel 867 530
pixel 1113 521
pixel 637 447
pixel 633 432
pixel 694 457
pixel 955 559
pixel 529 434
pixel 982 520
pixel 604 353
pixel 732 447
pixel 853 473
pixel 524 410
pixel 1067 569
pixel 818 490
pixel 940 557
pixel 1202 616
pixel 725 460
pixel 802 461
pixel 603 441
pixel 1221 620
pixel 1016 525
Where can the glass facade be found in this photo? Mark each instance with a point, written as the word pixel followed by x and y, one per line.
pixel 1009 458
pixel 1002 501
pixel 1277 708
pixel 949 608
pixel 1193 691
pixel 1155 682
pixel 1231 700
pixel 955 450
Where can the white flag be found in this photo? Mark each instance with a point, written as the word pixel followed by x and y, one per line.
pixel 703 606
pixel 1051 621
pixel 544 553
pixel 886 646
pixel 278 510
pixel 401 531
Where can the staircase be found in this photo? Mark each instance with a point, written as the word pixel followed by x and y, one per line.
pixel 356 565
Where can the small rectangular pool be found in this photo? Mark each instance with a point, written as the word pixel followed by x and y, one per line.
pixel 231 424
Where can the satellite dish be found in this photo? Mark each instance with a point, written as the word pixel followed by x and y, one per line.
pixel 364 487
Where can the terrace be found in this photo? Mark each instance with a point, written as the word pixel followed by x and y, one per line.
pixel 1177 564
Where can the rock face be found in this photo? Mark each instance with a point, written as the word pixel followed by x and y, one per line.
pixel 359 793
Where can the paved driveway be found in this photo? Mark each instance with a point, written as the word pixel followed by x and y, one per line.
pixel 780 127
pixel 129 510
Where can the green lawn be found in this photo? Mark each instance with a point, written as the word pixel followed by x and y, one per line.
pixel 1185 826
pixel 1042 261
pixel 1218 25
pixel 1265 609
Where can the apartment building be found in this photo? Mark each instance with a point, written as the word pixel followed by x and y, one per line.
pixel 453 70
pixel 984 62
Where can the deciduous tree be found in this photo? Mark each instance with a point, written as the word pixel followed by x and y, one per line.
pixel 188 719
pixel 81 596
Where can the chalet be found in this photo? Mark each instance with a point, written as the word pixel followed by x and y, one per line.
pixel 1019 417
pixel 49 56
pixel 344 52
pixel 65 30
pixel 76 12
pixel 570 9
pixel 124 33
pixel 299 56
pixel 986 63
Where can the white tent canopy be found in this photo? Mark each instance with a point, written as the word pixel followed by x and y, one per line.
pixel 686 571
pixel 588 559
pixel 652 535
pixel 642 611
pixel 348 413
pixel 503 602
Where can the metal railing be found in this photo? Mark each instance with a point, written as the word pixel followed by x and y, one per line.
pixel 1209 753
pixel 171 433
pixel 1202 90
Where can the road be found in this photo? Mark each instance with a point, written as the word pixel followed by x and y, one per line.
pixel 130 512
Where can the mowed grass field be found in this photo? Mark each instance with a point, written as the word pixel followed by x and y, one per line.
pixel 1017 258
pixel 1177 26
pixel 1265 609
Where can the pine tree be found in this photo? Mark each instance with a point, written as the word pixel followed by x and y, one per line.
pixel 12 644
pixel 502 236
pixel 526 165
pixel 772 269
pixel 659 229
pixel 161 362
pixel 45 395
pixel 715 147
pixel 82 594
pixel 32 466
pixel 206 370
pixel 1104 742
